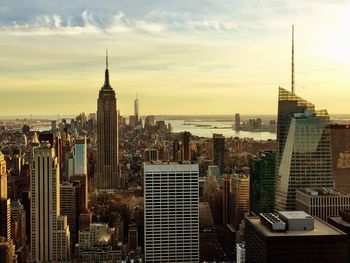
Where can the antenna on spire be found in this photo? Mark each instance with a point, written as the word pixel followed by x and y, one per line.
pixel 106 58
pixel 293 75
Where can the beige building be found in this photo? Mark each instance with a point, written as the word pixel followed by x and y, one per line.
pixel 322 202
pixel 50 235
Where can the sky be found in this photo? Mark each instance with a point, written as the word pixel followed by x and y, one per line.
pixel 181 57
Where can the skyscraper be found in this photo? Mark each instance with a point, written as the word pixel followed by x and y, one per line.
pixel 171 212
pixel 219 151
pixel 186 146
pixel 107 176
pixel 240 198
pixel 136 110
pixel 262 183
pixel 50 235
pixel 80 156
pixel 237 122
pixel 303 157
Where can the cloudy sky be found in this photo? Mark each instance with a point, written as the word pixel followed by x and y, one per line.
pixel 181 57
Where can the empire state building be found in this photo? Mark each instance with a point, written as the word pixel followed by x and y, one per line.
pixel 107 176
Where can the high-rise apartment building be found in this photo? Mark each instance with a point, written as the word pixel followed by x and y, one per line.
pixel 50 235
pixel 262 183
pixel 240 198
pixel 303 157
pixel 171 212
pixel 219 151
pixel 107 176
pixel 80 156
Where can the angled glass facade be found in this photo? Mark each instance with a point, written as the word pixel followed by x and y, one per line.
pixel 303 157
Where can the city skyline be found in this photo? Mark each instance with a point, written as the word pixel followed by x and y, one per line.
pixel 169 53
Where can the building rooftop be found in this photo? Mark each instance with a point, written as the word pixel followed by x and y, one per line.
pixel 320 229
pixel 325 191
pixel 295 215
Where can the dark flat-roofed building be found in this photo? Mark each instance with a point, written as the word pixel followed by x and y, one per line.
pixel 321 243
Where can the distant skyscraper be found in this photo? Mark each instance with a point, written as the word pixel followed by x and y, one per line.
pixel 136 110
pixel 219 151
pixel 237 122
pixel 107 176
pixel 50 235
pixel 80 156
pixel 262 183
pixel 186 146
pixel 171 212
pixel 303 157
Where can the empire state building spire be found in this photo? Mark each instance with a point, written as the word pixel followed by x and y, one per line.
pixel 106 85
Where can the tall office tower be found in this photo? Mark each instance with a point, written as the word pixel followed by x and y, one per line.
pixel 240 198
pixel 176 149
pixel 219 151
pixel 133 237
pixel 323 203
pixel 80 156
pixel 18 215
pixel 68 206
pixel 303 157
pixel 237 122
pixel 262 183
pixel 340 141
pixel 293 236
pixel 54 127
pixel 136 110
pixel 171 212
pixel 186 146
pixel 49 235
pixel 226 200
pixel 5 203
pixel 107 176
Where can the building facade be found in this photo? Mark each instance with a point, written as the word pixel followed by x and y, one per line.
pixel 50 237
pixel 219 151
pixel 323 202
pixel 171 213
pixel 262 183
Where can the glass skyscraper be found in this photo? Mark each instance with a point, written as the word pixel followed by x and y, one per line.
pixel 303 157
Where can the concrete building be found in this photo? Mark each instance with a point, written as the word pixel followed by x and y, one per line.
pixel 293 236
pixel 322 203
pixel 240 198
pixel 50 237
pixel 107 176
pixel 171 212
pixel 303 157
